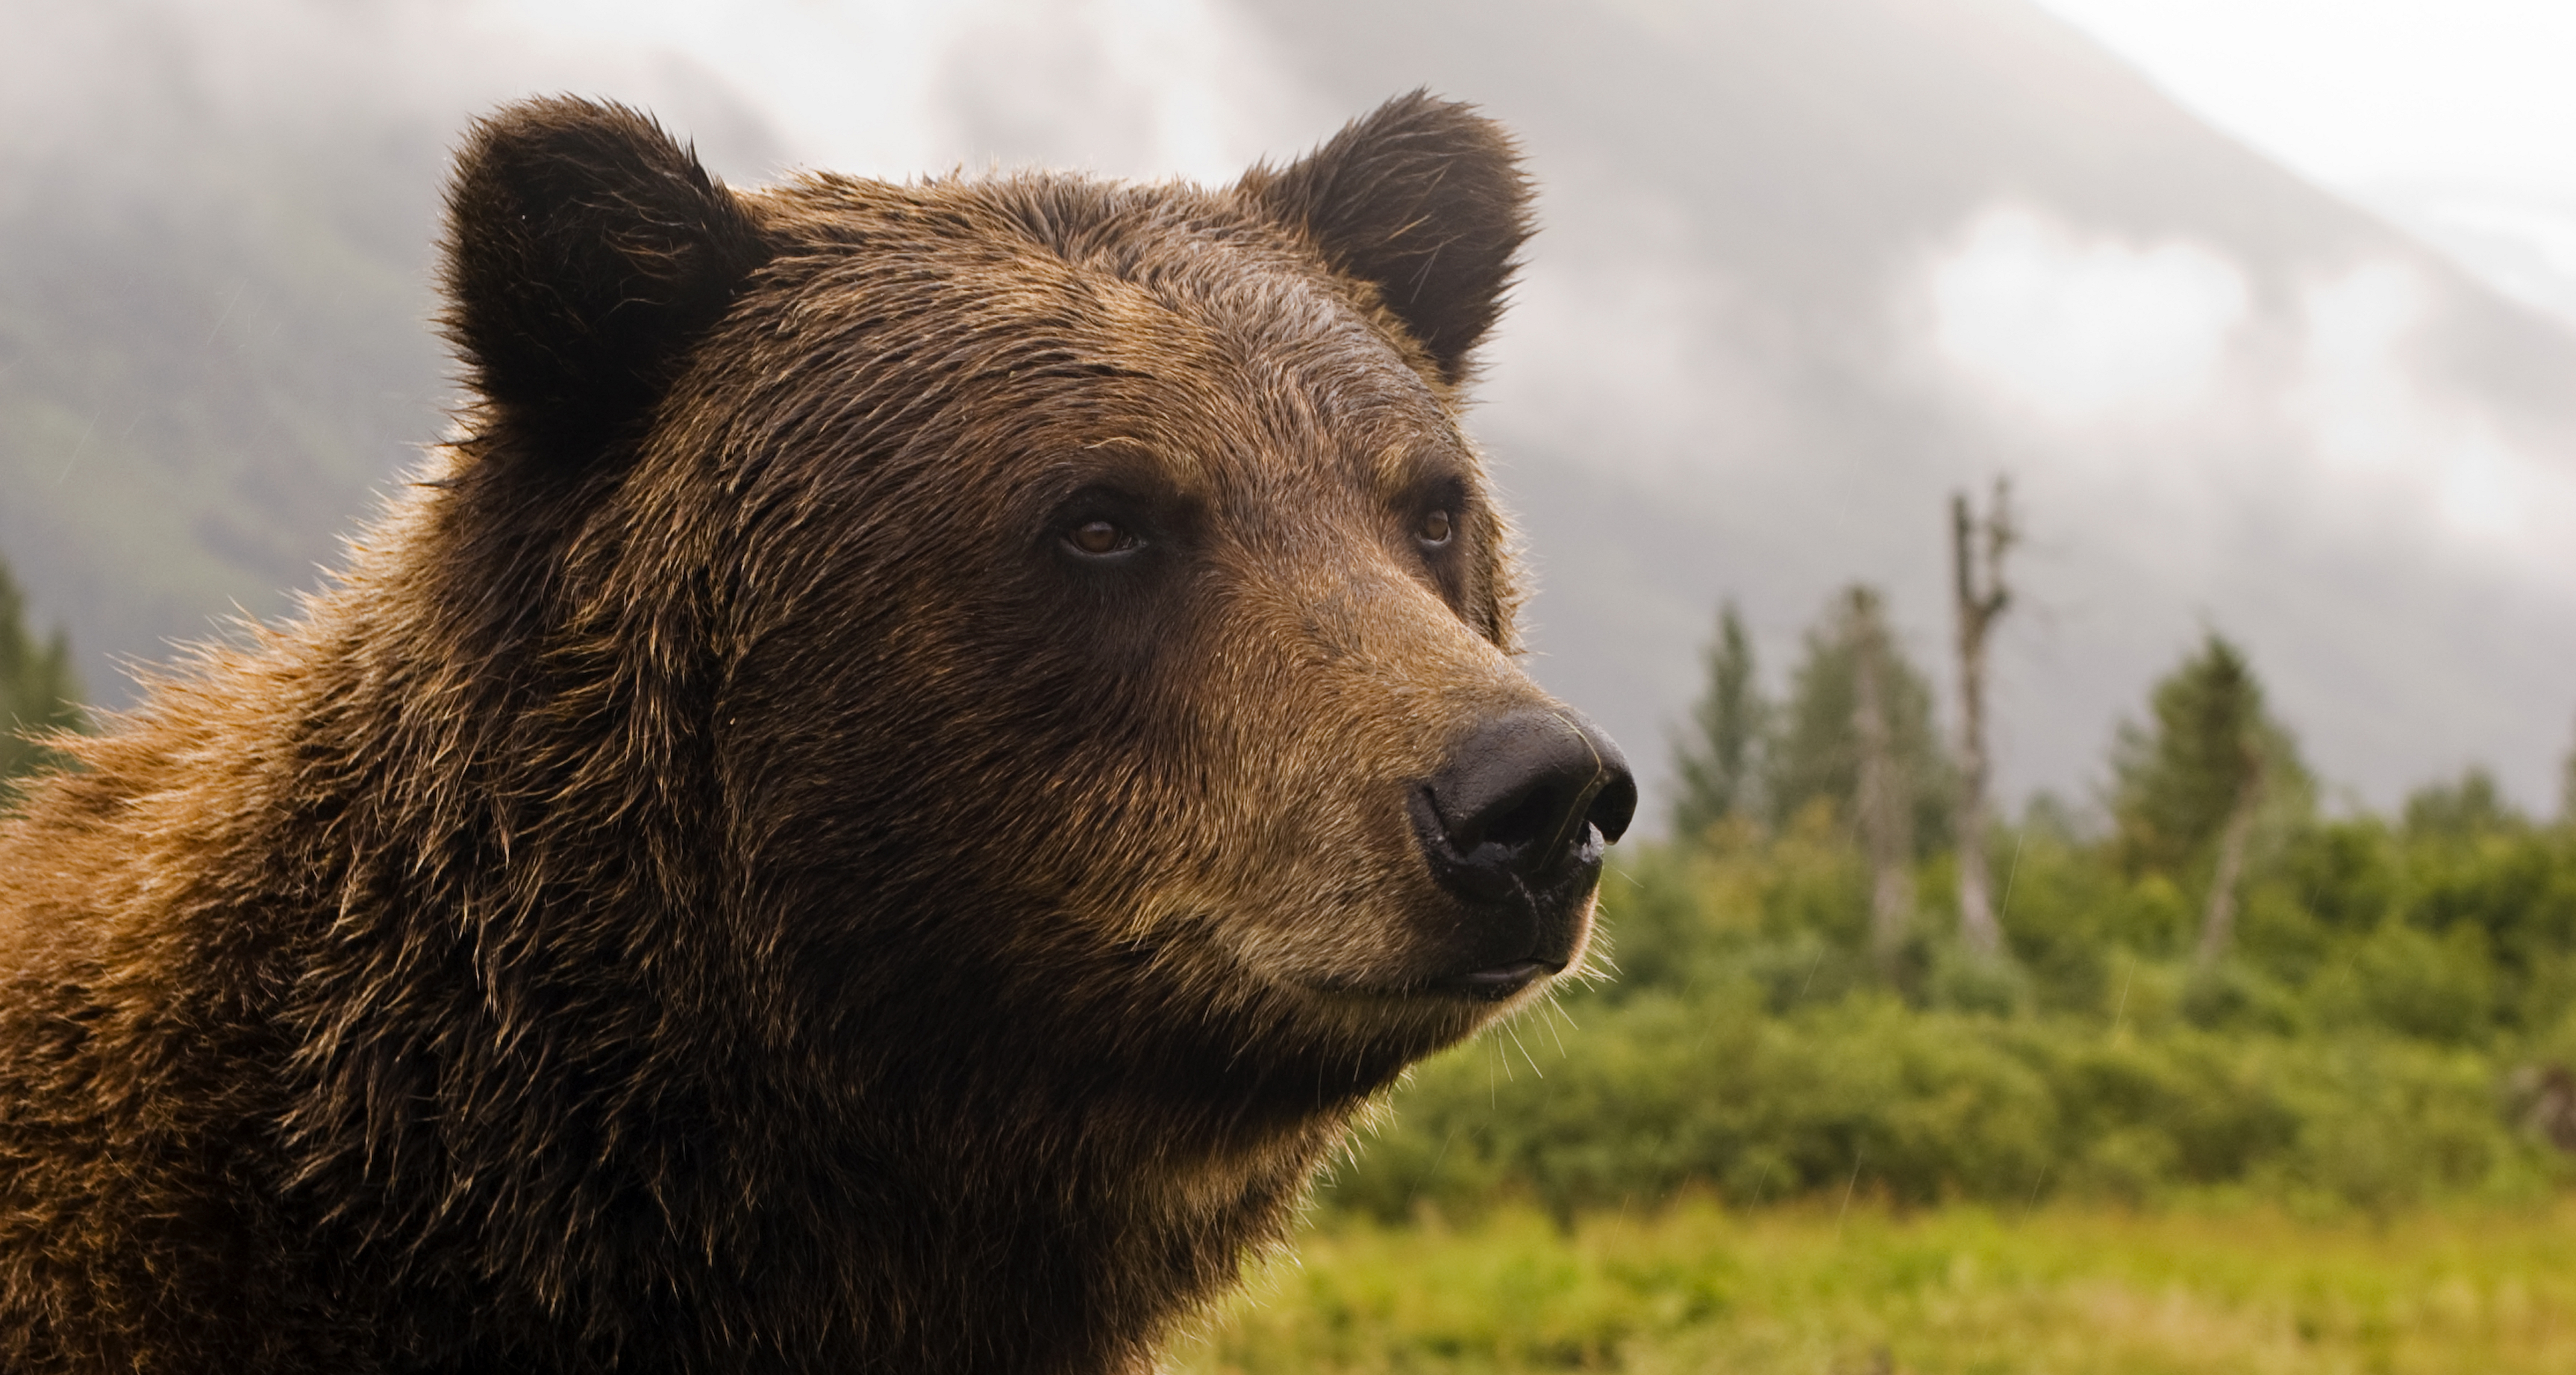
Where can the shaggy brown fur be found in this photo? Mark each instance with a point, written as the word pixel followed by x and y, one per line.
pixel 856 818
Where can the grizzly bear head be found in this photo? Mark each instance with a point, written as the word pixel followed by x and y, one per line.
pixel 973 723
pixel 1099 603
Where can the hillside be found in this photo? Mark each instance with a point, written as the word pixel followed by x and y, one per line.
pixel 1808 266
pixel 210 340
pixel 216 346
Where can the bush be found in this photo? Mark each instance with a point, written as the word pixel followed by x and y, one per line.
pixel 2353 1051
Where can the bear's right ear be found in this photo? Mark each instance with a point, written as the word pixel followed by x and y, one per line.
pixel 1423 199
pixel 585 253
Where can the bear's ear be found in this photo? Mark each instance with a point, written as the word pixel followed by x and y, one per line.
pixel 585 253
pixel 1423 199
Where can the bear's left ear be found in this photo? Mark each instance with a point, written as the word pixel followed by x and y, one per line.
pixel 1423 199
pixel 585 254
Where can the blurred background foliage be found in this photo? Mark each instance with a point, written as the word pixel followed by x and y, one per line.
pixel 38 691
pixel 2384 1023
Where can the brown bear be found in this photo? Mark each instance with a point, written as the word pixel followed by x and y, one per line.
pixel 882 805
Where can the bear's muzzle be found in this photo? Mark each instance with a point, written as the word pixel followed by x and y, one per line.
pixel 1513 826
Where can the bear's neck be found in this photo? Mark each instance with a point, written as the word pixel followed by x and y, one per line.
pixel 526 1116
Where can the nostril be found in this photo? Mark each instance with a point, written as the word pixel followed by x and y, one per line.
pixel 1614 806
pixel 1519 823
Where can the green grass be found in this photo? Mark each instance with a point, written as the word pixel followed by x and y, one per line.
pixel 1818 1288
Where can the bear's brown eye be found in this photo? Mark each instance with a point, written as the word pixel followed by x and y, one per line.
pixel 1435 529
pixel 1100 537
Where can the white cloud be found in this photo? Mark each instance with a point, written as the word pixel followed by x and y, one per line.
pixel 2451 116
pixel 2079 328
pixel 2370 420
pixel 2360 90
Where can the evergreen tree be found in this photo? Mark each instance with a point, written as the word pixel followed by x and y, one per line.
pixel 2191 788
pixel 1881 805
pixel 1720 749
pixel 2177 780
pixel 1812 750
pixel 37 692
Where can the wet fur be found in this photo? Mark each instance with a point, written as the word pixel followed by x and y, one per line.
pixel 710 887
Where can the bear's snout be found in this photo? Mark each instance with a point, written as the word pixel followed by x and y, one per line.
pixel 1513 826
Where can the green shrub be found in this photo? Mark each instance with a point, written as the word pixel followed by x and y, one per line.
pixel 2352 1052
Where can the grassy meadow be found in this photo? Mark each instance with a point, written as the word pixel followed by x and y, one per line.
pixel 1965 1289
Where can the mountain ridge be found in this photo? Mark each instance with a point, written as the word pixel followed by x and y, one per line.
pixel 1729 370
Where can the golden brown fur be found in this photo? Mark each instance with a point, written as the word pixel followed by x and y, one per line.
pixel 720 883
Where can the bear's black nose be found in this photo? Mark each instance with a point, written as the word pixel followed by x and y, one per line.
pixel 1513 826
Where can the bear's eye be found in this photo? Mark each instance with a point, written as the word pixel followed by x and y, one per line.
pixel 1435 529
pixel 1099 537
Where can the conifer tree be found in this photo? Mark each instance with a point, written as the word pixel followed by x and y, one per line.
pixel 1857 733
pixel 37 692
pixel 1886 821
pixel 2189 788
pixel 1719 750
pixel 1812 751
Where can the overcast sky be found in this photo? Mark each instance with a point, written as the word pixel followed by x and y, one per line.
pixel 2455 117
pixel 2079 343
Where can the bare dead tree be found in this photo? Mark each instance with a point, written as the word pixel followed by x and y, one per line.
pixel 1885 802
pixel 2218 919
pixel 1981 596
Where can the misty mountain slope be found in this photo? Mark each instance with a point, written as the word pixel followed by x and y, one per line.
pixel 196 389
pixel 216 347
pixel 1772 320
pixel 211 337
pixel 1807 266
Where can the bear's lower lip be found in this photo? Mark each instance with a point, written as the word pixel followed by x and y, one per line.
pixel 1503 980
pixel 1482 985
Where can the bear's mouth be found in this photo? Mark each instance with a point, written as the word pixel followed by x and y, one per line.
pixel 1492 985
pixel 1500 982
